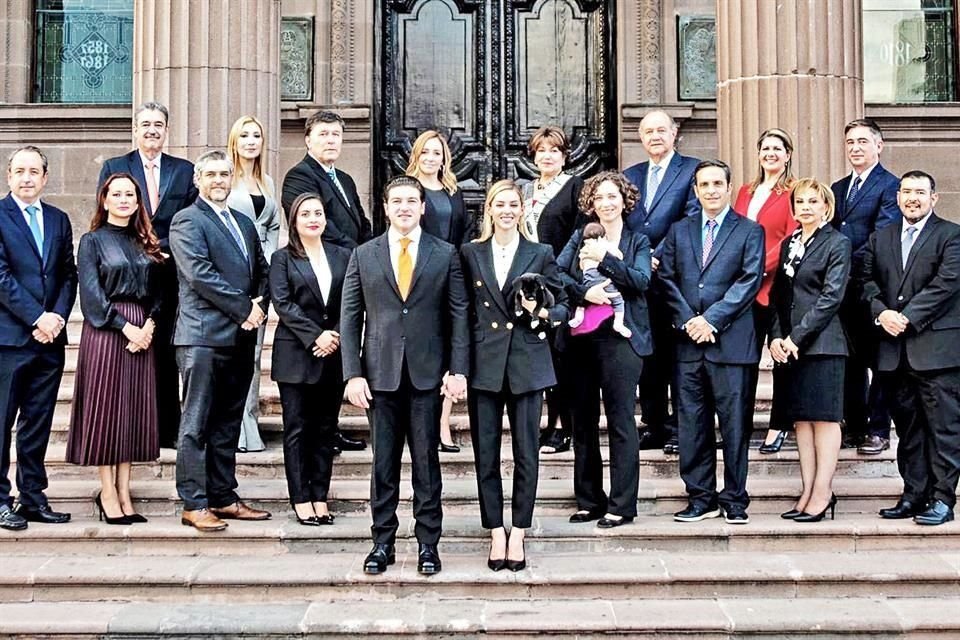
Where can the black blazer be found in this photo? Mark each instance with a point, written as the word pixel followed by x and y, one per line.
pixel 461 227
pixel 31 283
pixel 347 225
pixel 806 306
pixel 501 344
pixel 630 275
pixel 428 331
pixel 561 216
pixel 722 292
pixel 295 293
pixel 177 190
pixel 216 281
pixel 927 292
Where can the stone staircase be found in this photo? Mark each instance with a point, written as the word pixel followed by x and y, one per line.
pixel 849 578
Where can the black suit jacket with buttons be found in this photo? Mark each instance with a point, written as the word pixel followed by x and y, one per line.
pixel 807 304
pixel 427 333
pixel 503 345
pixel 295 293
pixel 927 292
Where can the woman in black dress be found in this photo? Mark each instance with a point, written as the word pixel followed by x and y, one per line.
pixel 114 416
pixel 603 359
pixel 511 365
pixel 552 213
pixel 445 216
pixel 808 340
pixel 306 280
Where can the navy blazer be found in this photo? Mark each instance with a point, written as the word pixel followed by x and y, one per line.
pixel 461 227
pixel 927 292
pixel 674 200
pixel 217 281
pixel 631 276
pixel 177 189
pixel 722 291
pixel 31 284
pixel 295 294
pixel 807 305
pixel 503 346
pixel 347 225
pixel 874 207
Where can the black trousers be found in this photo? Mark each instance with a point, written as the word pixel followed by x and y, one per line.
pixel 486 431
pixel 703 385
pixel 605 362
pixel 762 316
pixel 29 379
pixel 659 413
pixel 165 357
pixel 926 409
pixel 559 405
pixel 410 415
pixel 866 410
pixel 215 385
pixel 310 413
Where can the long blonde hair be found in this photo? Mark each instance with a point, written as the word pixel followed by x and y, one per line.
pixel 486 227
pixel 447 177
pixel 233 141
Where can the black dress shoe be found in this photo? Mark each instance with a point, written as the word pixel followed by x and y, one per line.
pixel 344 443
pixel 672 446
pixel 556 442
pixel 649 439
pixel 448 448
pixel 696 513
pixel 873 445
pixel 11 521
pixel 587 516
pixel 937 513
pixel 902 510
pixel 381 556
pixel 41 514
pixel 428 559
pixel 609 523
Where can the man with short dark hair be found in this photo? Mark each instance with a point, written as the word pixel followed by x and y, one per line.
pixel 911 285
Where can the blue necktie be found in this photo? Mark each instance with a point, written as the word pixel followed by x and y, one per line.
pixel 332 174
pixel 653 183
pixel 855 189
pixel 34 225
pixel 906 244
pixel 233 232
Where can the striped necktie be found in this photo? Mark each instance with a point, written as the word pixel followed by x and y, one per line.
pixel 708 242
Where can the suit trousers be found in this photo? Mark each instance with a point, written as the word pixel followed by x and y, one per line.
pixel 926 410
pixel 658 369
pixel 702 385
pixel 310 413
pixel 215 383
pixel 605 363
pixel 165 356
pixel 762 316
pixel 486 431
pixel 558 396
pixel 866 410
pixel 410 415
pixel 29 380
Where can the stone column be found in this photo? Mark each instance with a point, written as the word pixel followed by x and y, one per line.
pixel 16 24
pixel 210 62
pixel 794 65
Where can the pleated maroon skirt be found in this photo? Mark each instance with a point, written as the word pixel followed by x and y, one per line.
pixel 114 414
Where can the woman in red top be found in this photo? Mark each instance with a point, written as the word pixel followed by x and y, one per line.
pixel 766 201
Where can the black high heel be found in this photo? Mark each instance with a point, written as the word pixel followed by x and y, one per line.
pixel 517 565
pixel 448 448
pixel 496 564
pixel 792 514
pixel 817 517
pixel 774 447
pixel 103 514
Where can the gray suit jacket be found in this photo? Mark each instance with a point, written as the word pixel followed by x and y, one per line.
pixel 268 223
pixel 216 281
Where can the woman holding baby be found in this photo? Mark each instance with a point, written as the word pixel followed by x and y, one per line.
pixel 603 274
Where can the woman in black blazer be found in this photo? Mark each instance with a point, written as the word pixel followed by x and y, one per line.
pixel 306 281
pixel 445 216
pixel 603 359
pixel 807 338
pixel 551 203
pixel 511 364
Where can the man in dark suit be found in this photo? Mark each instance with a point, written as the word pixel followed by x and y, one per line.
pixel 666 196
pixel 866 201
pixel 38 285
pixel 405 292
pixel 911 284
pixel 167 185
pixel 347 225
pixel 223 300
pixel 711 271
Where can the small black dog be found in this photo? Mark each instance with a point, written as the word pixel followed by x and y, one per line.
pixel 531 286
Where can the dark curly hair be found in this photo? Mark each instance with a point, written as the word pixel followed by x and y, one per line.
pixel 627 189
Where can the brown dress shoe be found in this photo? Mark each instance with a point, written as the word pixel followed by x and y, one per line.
pixel 239 511
pixel 202 520
pixel 873 445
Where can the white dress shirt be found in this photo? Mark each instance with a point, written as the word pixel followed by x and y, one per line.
pixel 26 216
pixel 503 257
pixel 230 220
pixel 393 240
pixel 863 177
pixel 759 197
pixel 321 269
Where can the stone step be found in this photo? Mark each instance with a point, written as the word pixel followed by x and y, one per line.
pixel 462 534
pixel 709 618
pixel 654 575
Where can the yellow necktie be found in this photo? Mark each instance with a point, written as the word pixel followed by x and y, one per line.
pixel 404 268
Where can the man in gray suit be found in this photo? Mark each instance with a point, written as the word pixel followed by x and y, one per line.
pixel 223 300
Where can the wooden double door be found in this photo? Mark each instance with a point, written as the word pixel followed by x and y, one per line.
pixel 487 74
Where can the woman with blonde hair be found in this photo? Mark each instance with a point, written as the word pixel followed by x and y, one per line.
pixel 253 195
pixel 511 364
pixel 445 216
